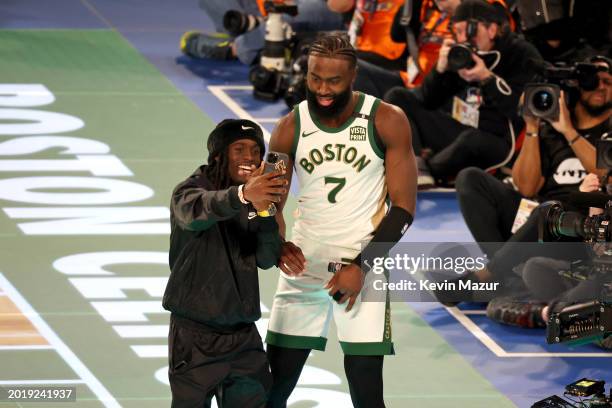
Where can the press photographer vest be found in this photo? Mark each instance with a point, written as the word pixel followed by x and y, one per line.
pixel 372 21
pixel 341 175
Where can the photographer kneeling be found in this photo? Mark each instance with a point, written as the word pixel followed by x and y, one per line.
pixel 482 77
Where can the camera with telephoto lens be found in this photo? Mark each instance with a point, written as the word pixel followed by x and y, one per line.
pixel 542 98
pixel 460 56
pixel 237 23
pixel 554 222
pixel 281 70
pixel 271 76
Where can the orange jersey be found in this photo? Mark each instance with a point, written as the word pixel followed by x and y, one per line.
pixel 372 21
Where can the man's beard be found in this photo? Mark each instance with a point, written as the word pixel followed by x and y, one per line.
pixel 340 101
pixel 594 110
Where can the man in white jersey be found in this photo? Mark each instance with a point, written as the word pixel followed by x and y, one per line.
pixel 351 153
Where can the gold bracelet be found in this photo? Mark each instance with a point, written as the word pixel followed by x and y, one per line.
pixel 264 213
pixel 531 134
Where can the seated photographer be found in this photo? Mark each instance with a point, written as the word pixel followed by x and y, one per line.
pixel 545 287
pixel 431 29
pixel 482 78
pixel 553 161
pixel 313 15
pixel 554 158
pixel 566 31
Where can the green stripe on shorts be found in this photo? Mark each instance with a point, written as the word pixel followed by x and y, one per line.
pixel 382 348
pixel 297 342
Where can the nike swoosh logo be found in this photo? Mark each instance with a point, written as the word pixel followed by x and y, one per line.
pixel 246 127
pixel 304 134
pixel 252 215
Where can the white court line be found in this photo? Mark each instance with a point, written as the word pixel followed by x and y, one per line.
pixel 32 347
pixel 62 349
pixel 498 350
pixel 219 92
pixel 151 351
pixel 155 331
pixel 40 382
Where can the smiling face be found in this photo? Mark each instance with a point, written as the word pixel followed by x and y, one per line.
pixel 243 153
pixel 329 85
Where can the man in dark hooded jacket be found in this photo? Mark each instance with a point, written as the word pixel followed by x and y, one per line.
pixel 221 232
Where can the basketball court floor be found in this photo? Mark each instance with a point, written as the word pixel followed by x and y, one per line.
pixel 100 117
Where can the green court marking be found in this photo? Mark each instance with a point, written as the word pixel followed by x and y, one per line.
pixel 159 135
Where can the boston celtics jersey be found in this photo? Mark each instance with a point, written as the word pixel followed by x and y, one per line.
pixel 341 175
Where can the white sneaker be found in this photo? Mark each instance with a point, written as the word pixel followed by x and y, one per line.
pixel 424 178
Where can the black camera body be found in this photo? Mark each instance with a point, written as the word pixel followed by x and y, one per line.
pixel 273 75
pixel 542 98
pixel 460 56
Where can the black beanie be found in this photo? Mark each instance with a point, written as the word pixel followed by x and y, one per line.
pixel 480 10
pixel 230 130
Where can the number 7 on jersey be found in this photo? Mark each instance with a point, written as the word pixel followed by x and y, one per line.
pixel 340 181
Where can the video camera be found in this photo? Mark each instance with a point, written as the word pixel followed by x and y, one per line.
pixel 581 389
pixel 542 98
pixel 275 75
pixel 554 222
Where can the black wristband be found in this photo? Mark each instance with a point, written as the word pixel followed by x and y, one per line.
pixel 390 230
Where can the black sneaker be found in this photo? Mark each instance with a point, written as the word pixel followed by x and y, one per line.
pixel 201 45
pixel 518 313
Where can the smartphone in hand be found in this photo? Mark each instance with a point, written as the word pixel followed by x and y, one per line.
pixel 275 161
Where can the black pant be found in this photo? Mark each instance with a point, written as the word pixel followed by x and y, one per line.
pixel 364 375
pixel 489 208
pixel 203 363
pixel 455 146
pixel 541 276
pixel 374 80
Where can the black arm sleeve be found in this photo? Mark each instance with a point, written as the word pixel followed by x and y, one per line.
pixel 196 208
pixel 268 243
pixel 391 229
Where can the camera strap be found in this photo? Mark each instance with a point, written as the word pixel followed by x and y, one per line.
pixel 413 48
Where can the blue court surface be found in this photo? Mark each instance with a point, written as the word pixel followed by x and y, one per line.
pixel 116 65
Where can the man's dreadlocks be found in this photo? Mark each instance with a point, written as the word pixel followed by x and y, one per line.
pixel 217 171
pixel 335 45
